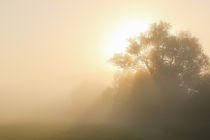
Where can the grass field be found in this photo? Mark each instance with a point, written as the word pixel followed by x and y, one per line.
pixel 64 132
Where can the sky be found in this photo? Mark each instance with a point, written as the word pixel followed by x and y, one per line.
pixel 48 47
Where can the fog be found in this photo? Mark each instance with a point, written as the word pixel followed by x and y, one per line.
pixel 47 100
pixel 58 80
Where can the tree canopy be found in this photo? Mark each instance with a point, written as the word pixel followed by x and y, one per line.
pixel 178 57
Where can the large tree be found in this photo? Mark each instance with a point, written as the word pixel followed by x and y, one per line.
pixel 175 58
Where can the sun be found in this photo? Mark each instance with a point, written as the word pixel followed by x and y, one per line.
pixel 117 38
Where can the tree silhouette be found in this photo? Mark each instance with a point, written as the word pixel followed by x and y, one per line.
pixel 158 69
pixel 177 58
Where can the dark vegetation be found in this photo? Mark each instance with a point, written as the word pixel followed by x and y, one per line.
pixel 164 88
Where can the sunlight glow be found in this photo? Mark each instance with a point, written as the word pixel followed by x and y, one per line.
pixel 117 41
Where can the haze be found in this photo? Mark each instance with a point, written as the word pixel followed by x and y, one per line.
pixel 48 47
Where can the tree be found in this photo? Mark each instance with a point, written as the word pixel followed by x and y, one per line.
pixel 177 58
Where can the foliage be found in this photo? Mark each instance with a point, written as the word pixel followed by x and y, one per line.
pixel 178 58
pixel 164 86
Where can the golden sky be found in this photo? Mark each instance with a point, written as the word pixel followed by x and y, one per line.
pixel 47 46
